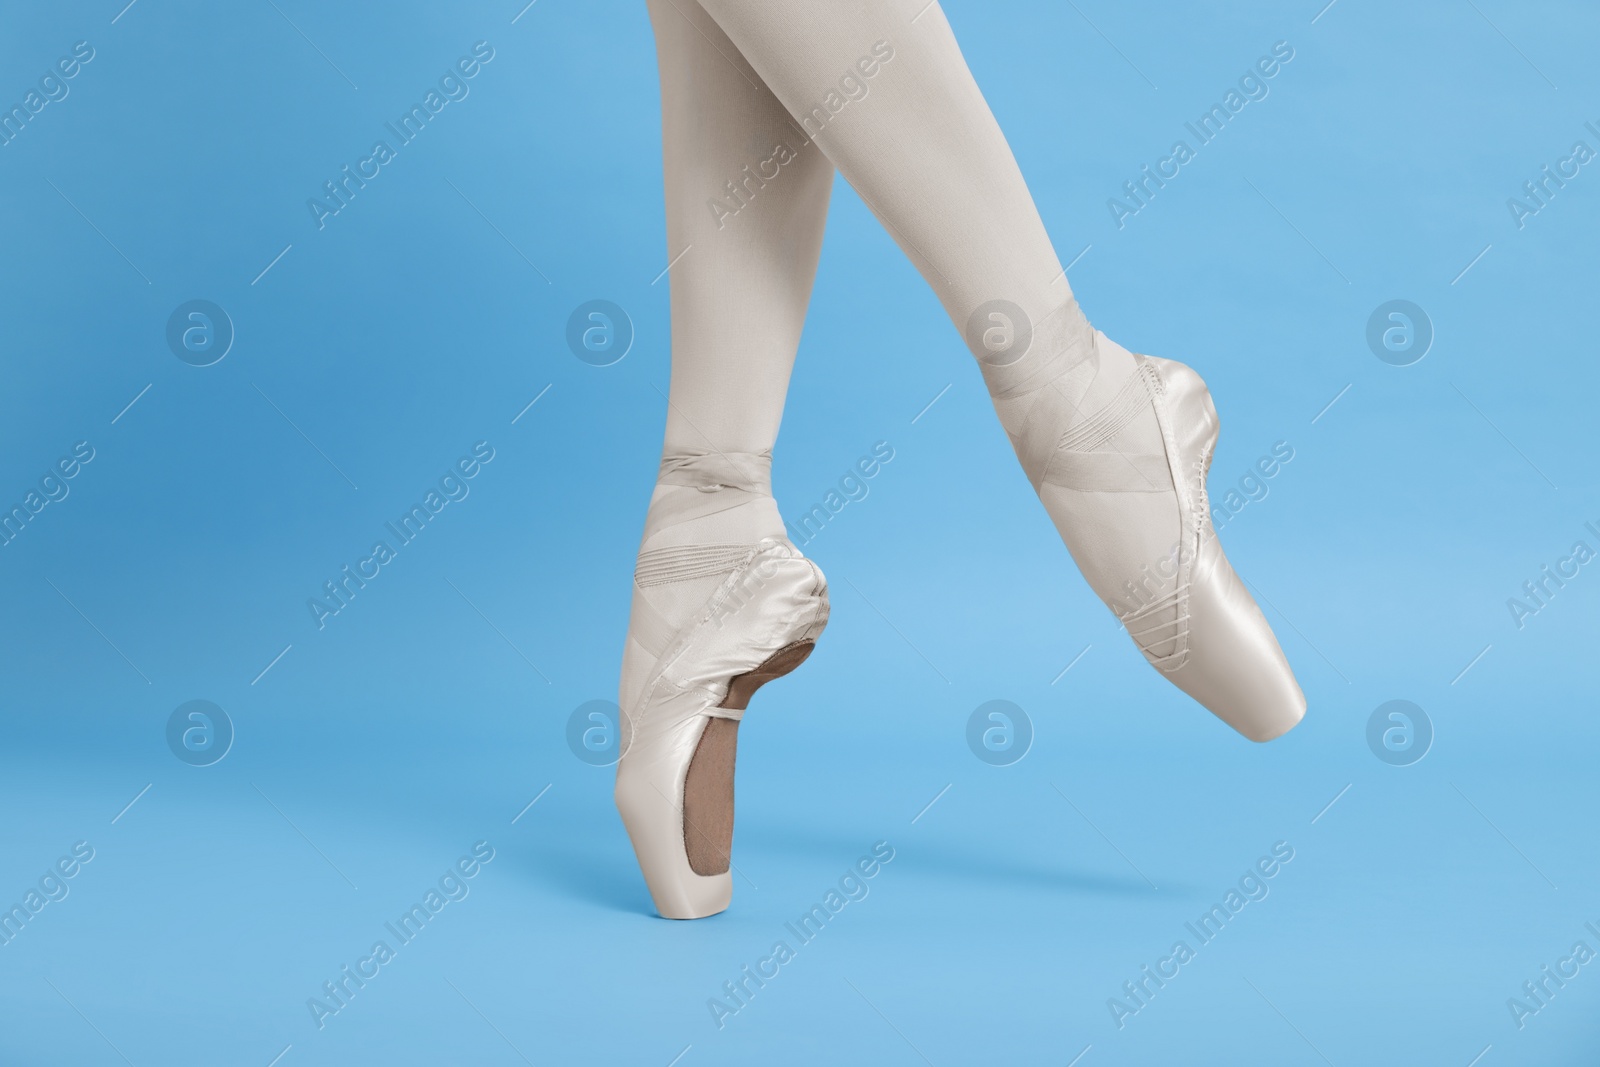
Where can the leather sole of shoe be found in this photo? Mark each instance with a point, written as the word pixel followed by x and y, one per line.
pixel 708 786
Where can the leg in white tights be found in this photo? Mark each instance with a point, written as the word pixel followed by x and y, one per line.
pixel 739 293
pixel 923 150
pixel 721 600
pixel 1116 444
pixel 920 147
pixel 739 296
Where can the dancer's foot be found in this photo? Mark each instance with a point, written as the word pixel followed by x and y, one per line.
pixel 1118 446
pixel 722 604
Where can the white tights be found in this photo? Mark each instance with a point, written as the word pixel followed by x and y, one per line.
pixel 760 101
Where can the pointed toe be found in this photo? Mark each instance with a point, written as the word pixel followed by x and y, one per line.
pixel 1234 665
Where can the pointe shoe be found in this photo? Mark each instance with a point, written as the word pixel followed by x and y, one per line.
pixel 1138 523
pixel 684 690
pixel 675 778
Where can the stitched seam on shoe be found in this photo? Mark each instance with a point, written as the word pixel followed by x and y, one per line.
pixel 1180 653
pixel 707 612
pixel 658 673
pixel 661 566
pixel 1130 400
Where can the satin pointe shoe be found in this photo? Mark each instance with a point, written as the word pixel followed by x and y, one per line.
pixel 1122 471
pixel 749 610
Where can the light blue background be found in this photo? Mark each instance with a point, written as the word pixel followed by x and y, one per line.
pixel 428 714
